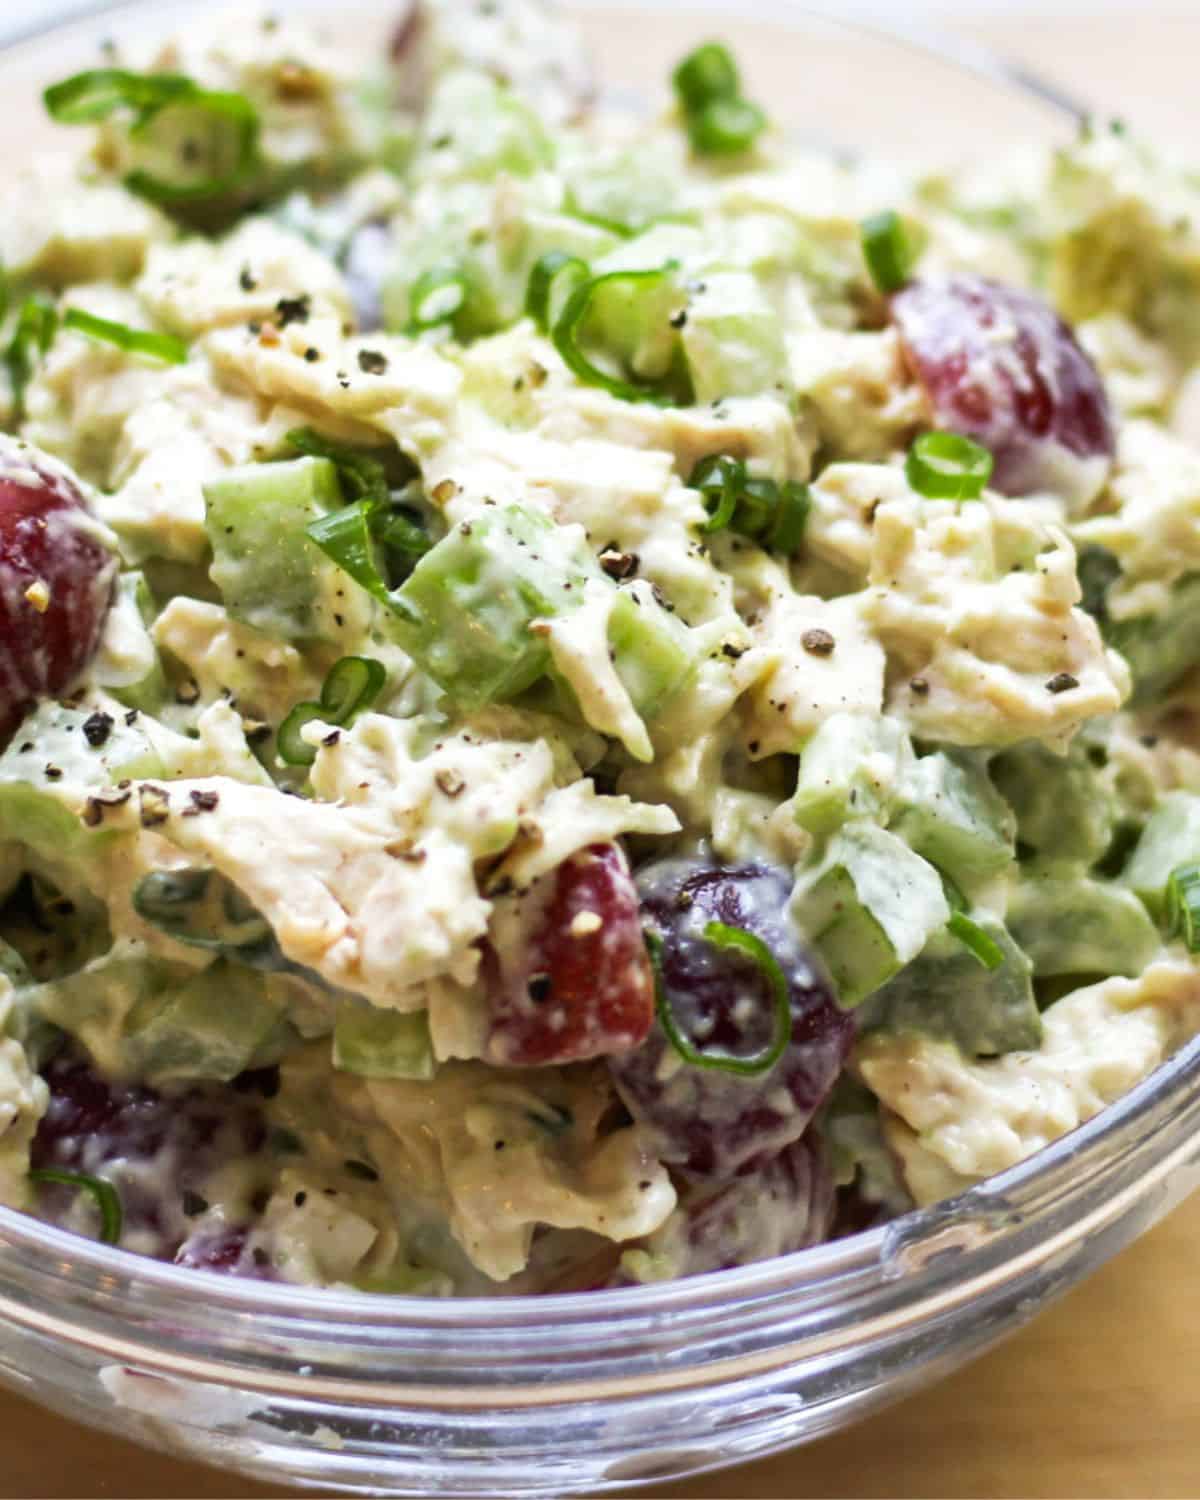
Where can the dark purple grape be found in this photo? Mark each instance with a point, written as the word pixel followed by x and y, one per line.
pixel 999 365
pixel 773 1207
pixel 706 1120
pixel 155 1147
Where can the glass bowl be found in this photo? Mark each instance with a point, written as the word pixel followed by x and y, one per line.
pixel 600 1390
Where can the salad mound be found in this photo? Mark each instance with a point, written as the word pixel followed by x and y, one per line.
pixel 583 699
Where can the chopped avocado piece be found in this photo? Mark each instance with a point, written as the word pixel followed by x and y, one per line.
pixel 1171 837
pixel 465 613
pixel 733 338
pixel 127 664
pixel 869 905
pixel 1161 647
pixel 947 993
pixel 270 574
pixel 849 769
pixel 1063 807
pixel 950 813
pixel 382 1043
pixel 1069 924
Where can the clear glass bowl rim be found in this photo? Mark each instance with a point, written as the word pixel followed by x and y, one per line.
pixel 918 1268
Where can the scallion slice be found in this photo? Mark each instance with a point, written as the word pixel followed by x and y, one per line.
pixel 345 535
pixel 351 686
pixel 554 266
pixel 719 480
pixel 1183 905
pixel 887 250
pixel 975 940
pixel 89 97
pixel 706 74
pixel 567 332
pixel 948 466
pixel 362 475
pixel 436 297
pixel 290 745
pixel 162 346
pixel 791 518
pixel 404 536
pixel 725 937
pixel 37 323
pixel 103 1194
pixel 724 127
pixel 768 513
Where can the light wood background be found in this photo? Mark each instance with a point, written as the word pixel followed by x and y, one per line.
pixel 1099 1397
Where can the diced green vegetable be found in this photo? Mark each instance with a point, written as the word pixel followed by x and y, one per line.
pixel 1161 648
pixel 887 250
pixel 1183 905
pixel 949 812
pixel 946 993
pixel 618 331
pixel 204 910
pixel 1063 807
pixel 849 768
pixel 1170 838
pixel 653 650
pixel 948 466
pixel 1069 924
pixel 733 338
pixel 475 128
pixel 382 1043
pixel 869 905
pixel 270 573
pixel 127 664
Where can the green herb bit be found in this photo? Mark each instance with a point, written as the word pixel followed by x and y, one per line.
pixel 89 97
pixel 350 688
pixel 975 940
pixel 887 251
pixel 1182 905
pixel 436 298
pixel 162 346
pixel 726 938
pixel 948 466
pixel 568 329
pixel 706 74
pixel 772 515
pixel 37 323
pixel 725 127
pixel 556 266
pixel 361 473
pixel 103 1194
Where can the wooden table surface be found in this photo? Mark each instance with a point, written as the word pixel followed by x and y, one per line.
pixel 1101 1395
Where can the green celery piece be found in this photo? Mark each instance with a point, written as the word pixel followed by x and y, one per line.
pixel 1069 924
pixel 1171 837
pixel 949 812
pixel 733 339
pixel 869 904
pixel 947 993
pixel 1062 806
pixel 1160 648
pixel 382 1043
pixel 137 679
pixel 653 651
pixel 270 574
pixel 849 769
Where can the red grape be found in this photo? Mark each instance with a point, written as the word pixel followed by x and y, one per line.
pixel 227 1252
pixel 999 365
pixel 706 1120
pixel 567 973
pixel 56 580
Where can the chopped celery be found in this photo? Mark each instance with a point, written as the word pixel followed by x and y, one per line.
pixel 869 905
pixel 733 338
pixel 849 769
pixel 271 575
pixel 949 812
pixel 382 1043
pixel 1073 925
pixel 1170 838
pixel 1160 648
pixel 1062 805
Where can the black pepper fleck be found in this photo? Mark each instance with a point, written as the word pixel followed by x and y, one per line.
pixel 818 642
pixel 246 280
pixel 919 686
pixel 1062 682
pixel 96 728
pixel 293 309
pixel 540 988
pixel 193 1204
pixel 371 362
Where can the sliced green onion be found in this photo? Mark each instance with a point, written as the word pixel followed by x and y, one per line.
pixel 351 686
pixel 539 294
pixel 887 251
pixel 724 937
pixel 972 937
pixel 791 518
pixel 568 326
pixel 37 323
pixel 724 127
pixel 1183 905
pixel 772 515
pixel 362 475
pixel 162 346
pixel 346 536
pixel 92 96
pixel 706 74
pixel 436 297
pixel 103 1194
pixel 404 536
pixel 292 748
pixel 948 466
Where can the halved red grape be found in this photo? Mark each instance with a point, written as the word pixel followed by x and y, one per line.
pixel 708 1121
pixel 999 365
pixel 566 968
pixel 782 1204
pixel 56 580
pixel 228 1252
